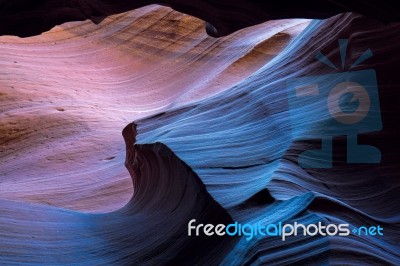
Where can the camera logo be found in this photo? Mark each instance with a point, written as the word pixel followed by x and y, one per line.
pixel 344 103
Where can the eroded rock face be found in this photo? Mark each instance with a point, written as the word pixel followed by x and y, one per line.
pixel 66 95
pixel 220 158
pixel 150 229
pixel 258 148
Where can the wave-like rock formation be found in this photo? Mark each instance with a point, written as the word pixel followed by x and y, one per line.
pixel 66 95
pixel 213 139
pixel 242 142
pixel 150 229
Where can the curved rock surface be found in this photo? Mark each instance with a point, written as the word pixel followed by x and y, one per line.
pixel 243 142
pixel 167 195
pixel 67 94
pixel 213 140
